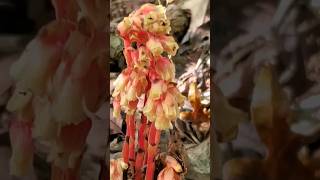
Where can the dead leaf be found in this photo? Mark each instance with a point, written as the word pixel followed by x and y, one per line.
pixel 270 112
pixel 198 11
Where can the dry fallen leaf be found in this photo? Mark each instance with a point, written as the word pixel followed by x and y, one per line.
pixel 198 11
pixel 199 114
pixel 270 112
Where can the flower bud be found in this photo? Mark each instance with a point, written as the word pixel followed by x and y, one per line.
pixel 157 88
pixel 155 47
pixel 165 69
pixel 124 26
pixel 121 82
pixel 116 107
pixel 170 45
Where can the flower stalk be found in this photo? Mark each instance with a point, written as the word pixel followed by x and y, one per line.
pixel 153 141
pixel 142 147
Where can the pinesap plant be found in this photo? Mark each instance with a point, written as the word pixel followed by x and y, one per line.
pixel 146 87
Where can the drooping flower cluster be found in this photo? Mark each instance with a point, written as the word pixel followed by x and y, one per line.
pixel 147 51
pixel 58 77
pixel 148 80
pixel 162 106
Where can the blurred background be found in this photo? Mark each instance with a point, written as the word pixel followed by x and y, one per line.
pixel 267 73
pixel 20 20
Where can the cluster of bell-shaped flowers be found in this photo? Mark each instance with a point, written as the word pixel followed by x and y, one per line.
pixel 146 85
pixel 150 71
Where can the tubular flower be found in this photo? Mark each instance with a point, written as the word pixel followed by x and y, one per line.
pixel 156 21
pixel 116 169
pixel 116 107
pixel 165 69
pixel 169 45
pixel 121 82
pixel 129 86
pixel 124 26
pixel 155 47
pixel 162 106
pixel 150 75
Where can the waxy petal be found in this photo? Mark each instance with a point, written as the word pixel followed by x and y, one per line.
pixel 154 47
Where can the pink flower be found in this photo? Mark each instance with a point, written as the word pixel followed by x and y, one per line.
pixel 156 22
pixel 124 26
pixel 169 44
pixel 150 75
pixel 116 169
pixel 116 107
pixel 171 171
pixel 137 84
pixel 162 106
pixel 154 47
pixel 121 82
pixel 129 86
pixel 165 69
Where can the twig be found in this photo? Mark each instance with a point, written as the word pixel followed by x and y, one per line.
pixel 284 7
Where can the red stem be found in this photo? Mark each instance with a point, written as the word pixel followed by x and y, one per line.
pixel 142 141
pixel 141 149
pixel 131 140
pixel 146 138
pixel 153 141
pixel 125 148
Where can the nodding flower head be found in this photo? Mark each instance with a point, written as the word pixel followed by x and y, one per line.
pixel 165 69
pixel 169 45
pixel 149 18
pixel 124 26
pixel 156 21
pixel 136 85
pixel 155 47
pixel 162 106
pixel 129 86
pixel 121 82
